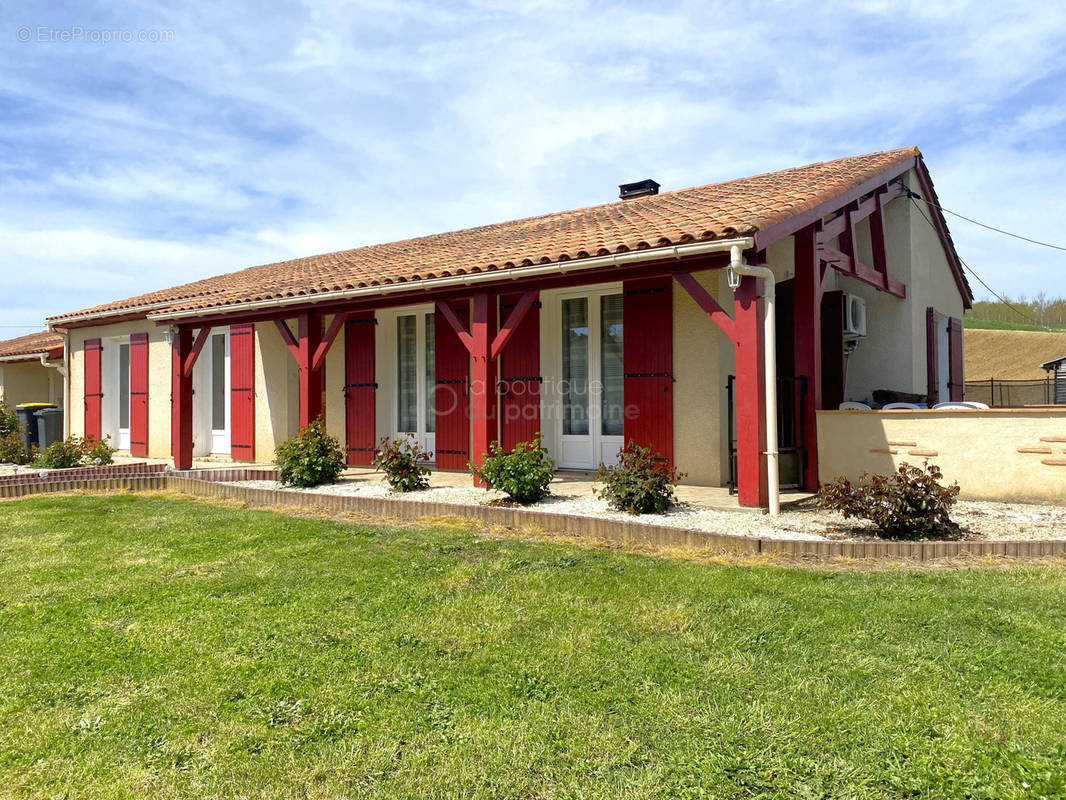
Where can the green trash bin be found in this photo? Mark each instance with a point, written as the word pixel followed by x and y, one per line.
pixel 27 422
pixel 49 426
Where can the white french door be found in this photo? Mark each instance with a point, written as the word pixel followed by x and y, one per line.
pixel 122 395
pixel 584 341
pixel 220 394
pixel 412 334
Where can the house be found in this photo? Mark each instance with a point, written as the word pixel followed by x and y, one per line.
pixel 31 369
pixel 595 326
pixel 1056 369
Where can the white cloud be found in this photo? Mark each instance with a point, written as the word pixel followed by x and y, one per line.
pixel 264 132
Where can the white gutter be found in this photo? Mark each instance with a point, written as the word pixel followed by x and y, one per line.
pixel 59 322
pixel 27 357
pixel 736 263
pixel 46 363
pixel 512 273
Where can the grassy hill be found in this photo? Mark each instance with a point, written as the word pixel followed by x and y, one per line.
pixel 1010 354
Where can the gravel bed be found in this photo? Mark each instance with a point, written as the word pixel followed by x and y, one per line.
pixel 979 520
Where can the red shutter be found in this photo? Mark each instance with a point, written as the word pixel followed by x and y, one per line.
pixel 932 367
pixel 139 394
pixel 956 385
pixel 648 359
pixel 360 390
pixel 520 377
pixel 93 387
pixel 452 398
pixel 242 392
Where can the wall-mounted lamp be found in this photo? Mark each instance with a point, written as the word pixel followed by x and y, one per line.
pixel 732 278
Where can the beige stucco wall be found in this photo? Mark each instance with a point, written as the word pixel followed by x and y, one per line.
pixel 277 398
pixel 893 354
pixel 158 379
pixel 703 356
pixel 995 454
pixel 28 382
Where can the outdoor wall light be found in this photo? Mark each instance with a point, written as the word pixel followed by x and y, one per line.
pixel 732 278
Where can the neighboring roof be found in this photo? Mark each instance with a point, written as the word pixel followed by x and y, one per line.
pixel 732 208
pixel 32 345
pixel 1010 355
pixel 1054 363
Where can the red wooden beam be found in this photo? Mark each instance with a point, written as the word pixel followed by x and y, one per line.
pixel 925 183
pixel 310 326
pixel 862 210
pixel 418 294
pixel 194 352
pixel 514 319
pixel 708 304
pixel 807 343
pixel 181 399
pixel 457 326
pixel 750 395
pixel 287 337
pixel 846 264
pixel 327 341
pixel 483 425
pixel 877 239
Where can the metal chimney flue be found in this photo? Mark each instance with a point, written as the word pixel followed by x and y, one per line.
pixel 627 191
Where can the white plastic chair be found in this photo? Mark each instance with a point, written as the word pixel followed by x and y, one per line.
pixel 895 406
pixel 975 404
pixel 850 405
pixel 954 407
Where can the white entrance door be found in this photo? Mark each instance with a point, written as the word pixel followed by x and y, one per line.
pixel 409 345
pixel 584 339
pixel 122 395
pixel 220 394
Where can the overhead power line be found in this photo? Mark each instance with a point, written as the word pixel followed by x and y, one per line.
pixel 970 269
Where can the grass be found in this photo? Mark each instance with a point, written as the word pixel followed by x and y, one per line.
pixel 164 648
pixel 996 325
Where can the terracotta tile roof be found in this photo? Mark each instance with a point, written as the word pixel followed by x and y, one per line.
pixel 31 344
pixel 720 210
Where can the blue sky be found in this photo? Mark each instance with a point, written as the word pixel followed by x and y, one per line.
pixel 240 134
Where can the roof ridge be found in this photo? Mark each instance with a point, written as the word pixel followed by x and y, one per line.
pixel 701 212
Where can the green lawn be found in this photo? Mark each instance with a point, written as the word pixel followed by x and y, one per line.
pixel 996 325
pixel 161 648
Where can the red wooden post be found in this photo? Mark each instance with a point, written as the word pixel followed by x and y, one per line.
pixel 752 485
pixel 181 399
pixel 311 384
pixel 482 376
pixel 807 345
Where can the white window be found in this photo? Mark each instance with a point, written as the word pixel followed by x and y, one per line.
pixel 406 348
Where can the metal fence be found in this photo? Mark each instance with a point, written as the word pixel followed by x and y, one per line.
pixel 1012 394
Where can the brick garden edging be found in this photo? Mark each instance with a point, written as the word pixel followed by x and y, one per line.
pixel 216 484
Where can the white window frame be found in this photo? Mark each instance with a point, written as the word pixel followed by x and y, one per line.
pixel 570 451
pixel 386 359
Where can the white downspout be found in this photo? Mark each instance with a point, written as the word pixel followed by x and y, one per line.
pixel 736 263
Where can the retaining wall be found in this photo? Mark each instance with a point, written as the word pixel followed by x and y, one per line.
pixel 998 454
pixel 212 484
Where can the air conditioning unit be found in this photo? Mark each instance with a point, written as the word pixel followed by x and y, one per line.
pixel 854 316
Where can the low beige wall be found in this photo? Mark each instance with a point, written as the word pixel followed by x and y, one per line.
pixel 1008 454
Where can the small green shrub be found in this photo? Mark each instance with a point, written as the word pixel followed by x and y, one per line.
pixel 523 474
pixel 12 448
pixel 310 458
pixel 9 420
pixel 640 483
pixel 63 454
pixel 910 503
pixel 403 462
pixel 97 452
